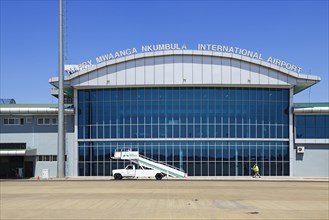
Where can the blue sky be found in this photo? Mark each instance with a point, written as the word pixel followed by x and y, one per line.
pixel 294 31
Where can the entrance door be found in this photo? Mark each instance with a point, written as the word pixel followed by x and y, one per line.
pixel 28 169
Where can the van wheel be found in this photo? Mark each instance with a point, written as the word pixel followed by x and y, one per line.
pixel 117 176
pixel 158 176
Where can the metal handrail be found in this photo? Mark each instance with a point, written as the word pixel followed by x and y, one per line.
pixel 163 163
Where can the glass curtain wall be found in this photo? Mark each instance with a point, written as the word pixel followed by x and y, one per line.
pixel 145 115
pixel 312 126
pixel 197 158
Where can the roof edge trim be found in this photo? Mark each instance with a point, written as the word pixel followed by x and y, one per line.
pixel 188 52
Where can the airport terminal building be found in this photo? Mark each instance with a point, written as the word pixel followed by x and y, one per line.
pixel 209 112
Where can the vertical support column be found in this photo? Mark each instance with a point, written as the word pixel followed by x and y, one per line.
pixel 180 157
pixel 236 161
pixel 75 171
pixel 291 132
pixel 61 135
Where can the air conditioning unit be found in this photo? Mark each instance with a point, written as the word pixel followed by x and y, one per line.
pixel 300 150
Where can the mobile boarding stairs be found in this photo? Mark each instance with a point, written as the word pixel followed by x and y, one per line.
pixel 143 161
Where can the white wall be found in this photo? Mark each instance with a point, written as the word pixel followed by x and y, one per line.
pixel 314 162
pixel 182 70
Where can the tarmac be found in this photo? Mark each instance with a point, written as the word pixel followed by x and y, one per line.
pixel 191 198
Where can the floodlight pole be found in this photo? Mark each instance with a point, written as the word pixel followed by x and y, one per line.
pixel 61 134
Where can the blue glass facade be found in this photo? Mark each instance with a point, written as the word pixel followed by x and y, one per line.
pixel 197 158
pixel 165 119
pixel 312 126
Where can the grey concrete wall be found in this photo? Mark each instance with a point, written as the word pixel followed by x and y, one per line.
pixel 314 162
pixel 43 138
pixel 51 166
pixel 34 127
pixel 40 137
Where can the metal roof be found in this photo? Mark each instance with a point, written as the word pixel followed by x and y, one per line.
pixel 311 104
pixel 33 109
pixel 29 106
pixel 100 75
pixel 311 108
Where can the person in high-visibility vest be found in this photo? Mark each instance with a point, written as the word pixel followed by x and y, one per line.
pixel 256 170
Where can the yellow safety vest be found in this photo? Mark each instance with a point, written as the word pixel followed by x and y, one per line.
pixel 255 168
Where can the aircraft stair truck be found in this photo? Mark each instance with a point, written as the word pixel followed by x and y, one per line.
pixel 146 167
